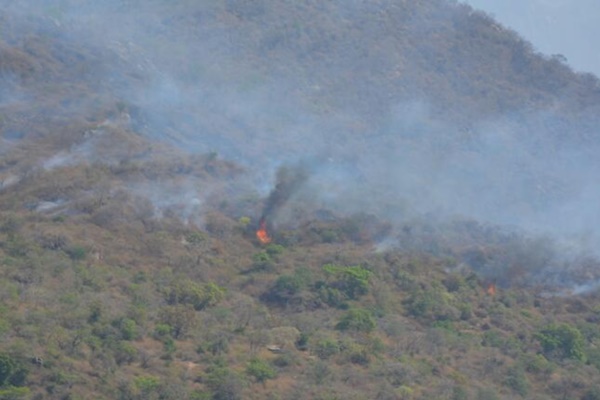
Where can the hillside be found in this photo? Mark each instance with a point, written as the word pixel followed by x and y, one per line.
pixel 555 27
pixel 425 177
pixel 421 95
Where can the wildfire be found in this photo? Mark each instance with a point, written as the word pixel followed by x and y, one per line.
pixel 261 233
pixel 491 289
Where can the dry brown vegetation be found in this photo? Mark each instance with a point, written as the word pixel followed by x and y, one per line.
pixel 106 299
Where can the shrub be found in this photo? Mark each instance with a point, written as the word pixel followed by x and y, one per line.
pixel 357 354
pixel 284 288
pixel 219 345
pixel 180 318
pixel 196 237
pixel 260 370
pixel 125 353
pixel 352 281
pixel 326 348
pixel 146 384
pixel 244 221
pixel 14 393
pixel 169 348
pixel 331 296
pixel 223 382
pixel 128 328
pixel 12 372
pixel 284 360
pixel 492 338
pixel 302 341
pixel 537 364
pixel 161 331
pixel 517 381
pixel 358 320
pixel 454 282
pixel 197 295
pixel 262 261
pixel 274 249
pixel 76 253
pixel 562 341
pixel 432 304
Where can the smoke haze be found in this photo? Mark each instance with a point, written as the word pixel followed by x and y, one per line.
pixel 391 132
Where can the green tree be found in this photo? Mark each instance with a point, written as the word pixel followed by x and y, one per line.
pixel 223 382
pixel 326 348
pixel 352 281
pixel 262 261
pixel 127 328
pixel 260 370
pixel 181 318
pixel 431 303
pixel 197 295
pixel 562 341
pixel 358 320
pixel 517 380
pixel 284 289
pixel 12 372
pixel 146 387
pixel 274 249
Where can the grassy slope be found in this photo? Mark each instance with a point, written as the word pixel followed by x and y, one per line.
pixel 113 300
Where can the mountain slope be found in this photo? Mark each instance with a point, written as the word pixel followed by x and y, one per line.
pixel 387 144
pixel 457 111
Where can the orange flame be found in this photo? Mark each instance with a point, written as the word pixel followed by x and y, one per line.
pixel 491 289
pixel 261 233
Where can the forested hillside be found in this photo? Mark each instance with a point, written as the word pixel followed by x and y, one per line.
pixel 423 177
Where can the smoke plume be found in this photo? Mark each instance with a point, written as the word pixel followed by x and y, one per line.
pixel 288 181
pixel 403 127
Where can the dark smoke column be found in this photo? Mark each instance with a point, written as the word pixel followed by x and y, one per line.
pixel 289 179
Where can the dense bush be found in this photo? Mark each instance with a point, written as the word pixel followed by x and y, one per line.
pixel 431 303
pixel 224 383
pixel 357 320
pixel 561 341
pixel 517 381
pixel 326 347
pixel 262 261
pixel 197 295
pixel 285 288
pixel 12 371
pixel 260 370
pixel 352 281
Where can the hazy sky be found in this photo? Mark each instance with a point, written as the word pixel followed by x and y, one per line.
pixel 567 27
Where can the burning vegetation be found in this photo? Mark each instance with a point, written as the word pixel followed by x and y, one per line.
pixel 288 180
pixel 261 234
